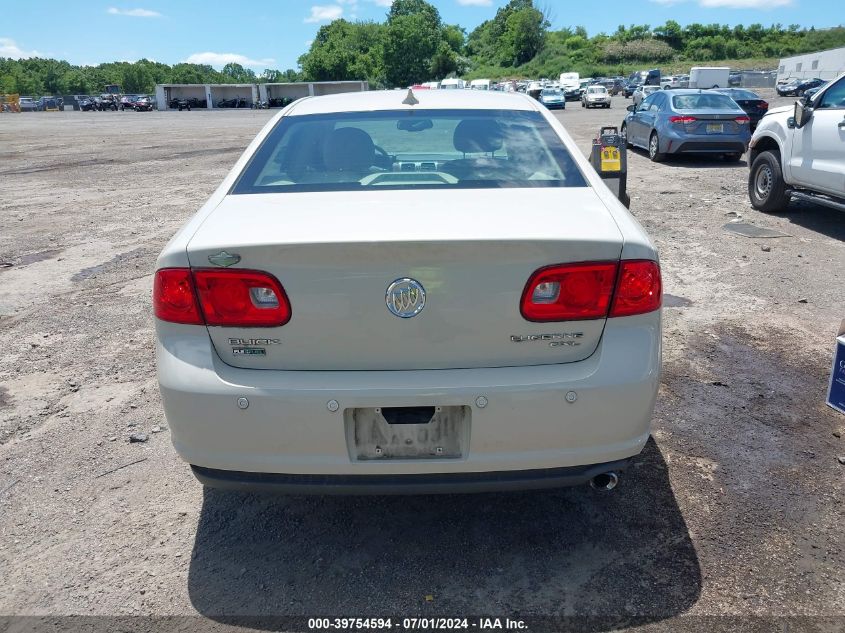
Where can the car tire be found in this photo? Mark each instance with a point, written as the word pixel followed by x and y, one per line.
pixel 623 132
pixel 653 145
pixel 766 187
pixel 799 93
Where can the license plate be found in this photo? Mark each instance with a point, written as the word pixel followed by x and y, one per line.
pixel 715 128
pixel 382 434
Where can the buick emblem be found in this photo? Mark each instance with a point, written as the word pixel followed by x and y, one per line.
pixel 224 259
pixel 405 298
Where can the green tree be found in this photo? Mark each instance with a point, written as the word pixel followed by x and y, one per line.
pixel 413 37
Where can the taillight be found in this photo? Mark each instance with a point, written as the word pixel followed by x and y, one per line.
pixel 174 299
pixel 241 298
pixel 742 120
pixel 638 289
pixel 682 119
pixel 569 292
pixel 233 298
pixel 592 290
pixel 764 105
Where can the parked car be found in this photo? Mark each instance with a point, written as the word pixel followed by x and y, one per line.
pixel 754 106
pixel 86 103
pixel 629 88
pixel 735 80
pixel 670 81
pixel 595 97
pixel 798 87
pixel 796 152
pixel 126 101
pixel 142 104
pixel 179 104
pixel 809 94
pixel 28 104
pixel 107 102
pixel 642 92
pixel 460 328
pixel 47 104
pixel 688 121
pixel 552 98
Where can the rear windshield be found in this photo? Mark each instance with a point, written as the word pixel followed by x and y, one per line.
pixel 703 102
pixel 410 149
pixel 743 95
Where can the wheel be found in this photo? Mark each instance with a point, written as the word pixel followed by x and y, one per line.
pixel 799 93
pixel 766 188
pixel 653 147
pixel 623 132
pixel 583 105
pixel 607 106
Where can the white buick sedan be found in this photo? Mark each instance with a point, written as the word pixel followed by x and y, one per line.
pixel 411 292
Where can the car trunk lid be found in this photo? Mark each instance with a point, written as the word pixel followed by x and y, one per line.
pixel 336 254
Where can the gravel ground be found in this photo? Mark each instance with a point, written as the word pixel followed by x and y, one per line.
pixel 734 508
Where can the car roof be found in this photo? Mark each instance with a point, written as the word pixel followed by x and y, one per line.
pixel 379 100
pixel 691 91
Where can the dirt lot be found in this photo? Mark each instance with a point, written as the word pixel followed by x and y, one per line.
pixel 734 509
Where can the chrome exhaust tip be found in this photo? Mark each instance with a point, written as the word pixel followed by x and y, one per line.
pixel 605 481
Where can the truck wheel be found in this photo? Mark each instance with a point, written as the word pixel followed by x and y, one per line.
pixel 766 188
pixel 653 149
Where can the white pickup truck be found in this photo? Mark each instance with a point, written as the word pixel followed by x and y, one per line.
pixel 799 152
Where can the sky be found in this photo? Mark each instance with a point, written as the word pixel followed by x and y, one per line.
pixel 274 33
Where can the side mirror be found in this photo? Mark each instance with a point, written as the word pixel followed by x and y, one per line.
pixel 803 114
pixel 631 108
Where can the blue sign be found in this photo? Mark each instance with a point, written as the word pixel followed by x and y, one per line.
pixel 836 393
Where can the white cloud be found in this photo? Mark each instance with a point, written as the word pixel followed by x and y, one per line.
pixel 9 48
pixel 383 3
pixel 134 13
pixel 744 4
pixel 475 3
pixel 219 60
pixel 324 13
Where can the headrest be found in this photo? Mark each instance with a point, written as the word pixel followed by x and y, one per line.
pixel 348 149
pixel 477 135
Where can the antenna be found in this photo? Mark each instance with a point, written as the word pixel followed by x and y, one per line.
pixel 411 99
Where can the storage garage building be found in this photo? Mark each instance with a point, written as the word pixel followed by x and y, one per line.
pixel 211 94
pixel 280 94
pixel 824 65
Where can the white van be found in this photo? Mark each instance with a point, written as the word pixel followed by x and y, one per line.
pixel 452 83
pixel 480 84
pixel 705 77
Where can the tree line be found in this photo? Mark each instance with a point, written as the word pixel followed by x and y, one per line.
pixel 414 45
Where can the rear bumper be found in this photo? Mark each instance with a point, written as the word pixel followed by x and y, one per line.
pixel 432 483
pixel 289 439
pixel 672 143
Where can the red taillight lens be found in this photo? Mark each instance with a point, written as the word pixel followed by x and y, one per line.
pixel 241 298
pixel 174 299
pixel 638 289
pixel 569 292
pixel 764 105
pixel 742 120
pixel 682 119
